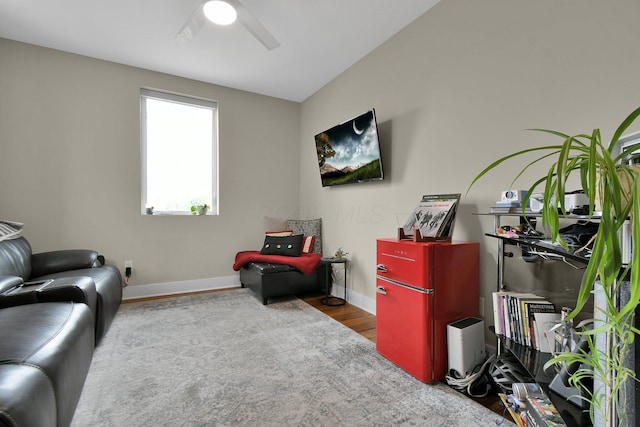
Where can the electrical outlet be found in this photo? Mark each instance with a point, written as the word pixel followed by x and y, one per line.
pixel 481 307
pixel 128 264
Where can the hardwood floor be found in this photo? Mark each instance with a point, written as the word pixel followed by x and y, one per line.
pixel 364 323
pixel 351 316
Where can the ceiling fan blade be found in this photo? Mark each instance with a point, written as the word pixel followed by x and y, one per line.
pixel 254 26
pixel 196 21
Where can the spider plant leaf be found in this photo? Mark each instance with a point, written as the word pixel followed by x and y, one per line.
pixel 635 255
pixel 592 174
pixel 583 294
pixel 561 171
pixel 564 136
pixel 588 187
pixel 590 275
pixel 613 262
pixel 614 187
pixel 507 157
pixel 539 159
pixel 552 132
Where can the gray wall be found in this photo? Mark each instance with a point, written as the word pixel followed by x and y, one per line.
pixel 454 91
pixel 70 165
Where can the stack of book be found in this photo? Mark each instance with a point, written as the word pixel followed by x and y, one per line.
pixel 525 319
pixel 514 208
pixel 511 202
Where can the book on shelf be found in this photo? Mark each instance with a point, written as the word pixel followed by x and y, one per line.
pixel 520 317
pixel 543 323
pixel 542 306
pixel 508 314
pixel 508 204
pixel 498 314
pixel 503 314
pixel 542 413
pixel 525 303
pixel 513 316
pixel 509 209
pixel 516 316
pixel 528 307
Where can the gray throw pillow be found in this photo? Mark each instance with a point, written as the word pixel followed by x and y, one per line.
pixel 308 227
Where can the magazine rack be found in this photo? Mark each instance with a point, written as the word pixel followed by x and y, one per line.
pixel 432 220
pixel 417 237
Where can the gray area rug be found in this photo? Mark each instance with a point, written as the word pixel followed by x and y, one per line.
pixel 224 359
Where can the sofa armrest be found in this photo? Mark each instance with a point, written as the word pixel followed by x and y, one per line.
pixel 78 289
pixel 9 282
pixel 12 292
pixel 27 396
pixel 56 261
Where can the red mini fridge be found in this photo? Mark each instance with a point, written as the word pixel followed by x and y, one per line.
pixel 421 287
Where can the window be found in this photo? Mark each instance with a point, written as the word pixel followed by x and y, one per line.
pixel 179 153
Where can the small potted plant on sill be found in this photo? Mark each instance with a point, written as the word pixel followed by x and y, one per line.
pixel 199 209
pixel 607 177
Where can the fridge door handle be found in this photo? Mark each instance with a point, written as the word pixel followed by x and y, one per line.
pixel 381 290
pixel 381 268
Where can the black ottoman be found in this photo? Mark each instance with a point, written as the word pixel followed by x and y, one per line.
pixel 275 280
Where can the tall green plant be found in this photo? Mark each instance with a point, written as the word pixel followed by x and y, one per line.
pixel 608 180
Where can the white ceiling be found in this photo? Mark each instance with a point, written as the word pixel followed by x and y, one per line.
pixel 319 39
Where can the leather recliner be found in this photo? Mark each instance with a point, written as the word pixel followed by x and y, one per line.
pixel 45 356
pixel 54 307
pixel 17 259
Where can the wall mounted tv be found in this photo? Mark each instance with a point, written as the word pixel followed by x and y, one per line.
pixel 350 151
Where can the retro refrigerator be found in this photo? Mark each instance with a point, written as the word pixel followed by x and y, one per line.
pixel 421 287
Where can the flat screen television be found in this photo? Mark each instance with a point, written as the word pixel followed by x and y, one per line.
pixel 350 152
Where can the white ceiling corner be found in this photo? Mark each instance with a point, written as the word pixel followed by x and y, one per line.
pixel 319 40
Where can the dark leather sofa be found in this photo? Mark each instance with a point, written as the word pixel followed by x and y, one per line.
pixel 54 308
pixel 16 259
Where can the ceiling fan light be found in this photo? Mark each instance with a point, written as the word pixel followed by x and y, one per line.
pixel 220 12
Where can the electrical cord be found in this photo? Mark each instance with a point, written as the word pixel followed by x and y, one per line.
pixel 127 274
pixel 466 384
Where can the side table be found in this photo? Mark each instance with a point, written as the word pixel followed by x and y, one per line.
pixel 330 299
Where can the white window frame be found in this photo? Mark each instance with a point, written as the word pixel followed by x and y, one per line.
pixel 190 101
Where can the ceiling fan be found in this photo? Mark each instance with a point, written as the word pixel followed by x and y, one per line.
pixel 198 19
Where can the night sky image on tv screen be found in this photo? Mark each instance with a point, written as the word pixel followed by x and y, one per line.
pixel 350 152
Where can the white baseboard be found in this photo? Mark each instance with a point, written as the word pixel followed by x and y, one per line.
pixel 175 288
pixel 355 298
pixel 182 287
